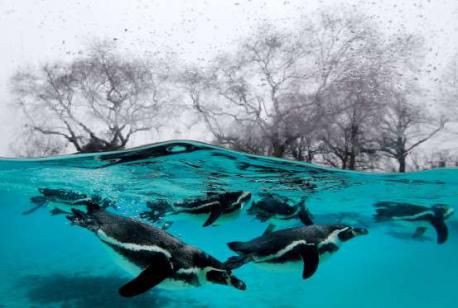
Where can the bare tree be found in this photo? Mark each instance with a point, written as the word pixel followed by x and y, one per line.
pixel 348 136
pixel 96 102
pixel 306 148
pixel 251 100
pixel 298 93
pixel 372 68
pixel 404 127
pixel 34 144
pixel 348 53
pixel 450 88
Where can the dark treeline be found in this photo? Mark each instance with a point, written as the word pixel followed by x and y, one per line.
pixel 334 90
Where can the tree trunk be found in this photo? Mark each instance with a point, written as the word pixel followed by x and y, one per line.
pixel 278 150
pixel 344 162
pixel 309 156
pixel 402 163
pixel 352 163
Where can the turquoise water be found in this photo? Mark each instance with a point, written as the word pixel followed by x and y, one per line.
pixel 44 261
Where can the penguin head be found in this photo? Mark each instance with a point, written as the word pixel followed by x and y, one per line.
pixel 225 277
pixel 47 191
pixel 237 283
pixel 38 200
pixel 85 220
pixel 347 232
pixel 442 211
pixel 235 199
pixel 238 197
pixel 158 209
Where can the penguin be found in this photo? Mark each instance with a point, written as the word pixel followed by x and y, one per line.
pixel 60 201
pixel 210 208
pixel 288 248
pixel 421 216
pixel 277 210
pixel 161 259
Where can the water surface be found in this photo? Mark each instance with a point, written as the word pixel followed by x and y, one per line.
pixel 46 261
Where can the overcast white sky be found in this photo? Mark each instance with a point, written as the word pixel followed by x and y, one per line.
pixel 36 31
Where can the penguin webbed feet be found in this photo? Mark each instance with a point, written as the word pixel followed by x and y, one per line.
pixel 419 232
pixel 235 262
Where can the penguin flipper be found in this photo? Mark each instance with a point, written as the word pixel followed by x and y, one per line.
pixel 310 257
pixel 159 269
pixel 441 229
pixel 215 213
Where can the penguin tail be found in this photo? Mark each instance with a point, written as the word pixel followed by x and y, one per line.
pixel 235 262
pixel 441 229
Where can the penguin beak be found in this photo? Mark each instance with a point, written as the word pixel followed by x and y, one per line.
pixel 39 200
pixel 225 277
pixel 77 217
pixel 449 213
pixel 83 220
pixel 237 283
pixel 360 231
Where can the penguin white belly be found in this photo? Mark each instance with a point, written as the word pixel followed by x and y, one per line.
pixel 122 262
pixel 292 266
pixel 172 284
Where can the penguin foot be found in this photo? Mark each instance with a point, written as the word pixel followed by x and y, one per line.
pixel 235 262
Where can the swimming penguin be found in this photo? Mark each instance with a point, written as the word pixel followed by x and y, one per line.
pixel 161 259
pixel 60 201
pixel 276 210
pixel 293 246
pixel 421 216
pixel 210 208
